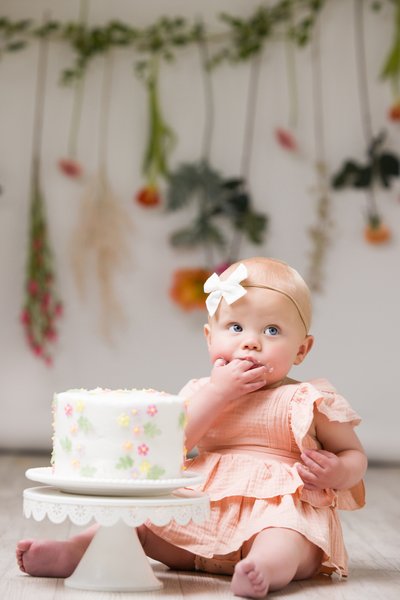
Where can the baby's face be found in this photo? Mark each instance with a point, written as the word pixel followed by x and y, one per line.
pixel 263 327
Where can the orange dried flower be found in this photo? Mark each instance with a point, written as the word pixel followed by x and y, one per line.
pixel 148 196
pixel 394 111
pixel 187 288
pixel 377 232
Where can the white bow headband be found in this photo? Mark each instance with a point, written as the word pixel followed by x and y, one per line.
pixel 231 290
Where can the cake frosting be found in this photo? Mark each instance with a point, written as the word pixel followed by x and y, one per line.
pixel 118 434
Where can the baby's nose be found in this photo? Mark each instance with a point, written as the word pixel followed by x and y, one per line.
pixel 251 343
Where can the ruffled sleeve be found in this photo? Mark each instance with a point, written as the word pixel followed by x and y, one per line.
pixel 322 396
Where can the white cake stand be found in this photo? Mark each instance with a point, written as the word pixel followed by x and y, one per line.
pixel 114 560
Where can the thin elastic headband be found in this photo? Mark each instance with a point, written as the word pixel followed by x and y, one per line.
pixel 274 289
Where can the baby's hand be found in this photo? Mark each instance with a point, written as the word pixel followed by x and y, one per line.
pixel 321 469
pixel 236 378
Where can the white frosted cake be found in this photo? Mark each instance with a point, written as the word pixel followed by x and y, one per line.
pixel 118 434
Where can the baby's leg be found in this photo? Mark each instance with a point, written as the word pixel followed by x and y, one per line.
pixel 158 549
pixel 276 557
pixel 50 558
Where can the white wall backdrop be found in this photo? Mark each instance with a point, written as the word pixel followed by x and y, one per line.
pixel 356 324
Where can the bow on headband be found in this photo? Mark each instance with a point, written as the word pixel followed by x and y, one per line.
pixel 229 289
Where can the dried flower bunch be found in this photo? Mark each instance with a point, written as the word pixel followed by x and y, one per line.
pixel 42 306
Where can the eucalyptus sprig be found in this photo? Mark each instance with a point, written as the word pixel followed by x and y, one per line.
pixel 13 35
pixel 248 36
pixel 90 42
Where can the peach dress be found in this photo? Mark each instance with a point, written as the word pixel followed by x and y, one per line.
pixel 248 462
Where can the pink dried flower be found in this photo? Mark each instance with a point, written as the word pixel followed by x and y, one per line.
pixel 286 139
pixel 70 168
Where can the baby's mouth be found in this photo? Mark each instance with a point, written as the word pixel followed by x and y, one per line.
pixel 256 363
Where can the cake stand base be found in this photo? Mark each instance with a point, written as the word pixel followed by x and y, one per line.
pixel 126 568
pixel 115 561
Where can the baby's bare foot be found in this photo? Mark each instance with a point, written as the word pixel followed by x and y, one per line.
pixel 249 581
pixel 48 558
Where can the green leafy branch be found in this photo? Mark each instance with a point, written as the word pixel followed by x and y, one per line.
pixel 391 67
pixel 221 204
pixel 248 36
pixel 380 168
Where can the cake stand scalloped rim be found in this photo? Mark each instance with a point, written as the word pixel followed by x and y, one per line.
pixel 57 507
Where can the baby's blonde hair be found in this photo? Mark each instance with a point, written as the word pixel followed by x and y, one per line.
pixel 275 273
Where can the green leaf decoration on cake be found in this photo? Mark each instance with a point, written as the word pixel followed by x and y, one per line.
pixel 88 471
pixel 182 420
pixel 155 472
pixel 151 429
pixel 125 462
pixel 66 444
pixel 84 424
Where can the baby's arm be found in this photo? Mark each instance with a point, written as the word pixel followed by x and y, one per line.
pixel 341 463
pixel 228 381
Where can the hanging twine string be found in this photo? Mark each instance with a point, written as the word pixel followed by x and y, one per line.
pixel 78 93
pixel 209 112
pixel 248 139
pixel 250 118
pixel 363 91
pixel 320 232
pixel 104 112
pixel 208 128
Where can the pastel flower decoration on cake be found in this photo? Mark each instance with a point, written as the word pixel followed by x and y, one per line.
pixel 143 449
pixel 152 410
pixel 137 430
pixel 145 467
pixel 68 410
pixel 127 446
pixel 123 420
pixel 229 289
pixel 80 406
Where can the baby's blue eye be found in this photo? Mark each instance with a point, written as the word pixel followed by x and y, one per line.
pixel 236 328
pixel 271 330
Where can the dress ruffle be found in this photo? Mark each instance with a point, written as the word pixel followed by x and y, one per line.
pixel 327 401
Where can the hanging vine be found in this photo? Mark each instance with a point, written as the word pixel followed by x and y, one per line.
pixel 42 306
pixel 381 166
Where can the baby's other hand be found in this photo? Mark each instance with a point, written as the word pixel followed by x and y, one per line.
pixel 321 469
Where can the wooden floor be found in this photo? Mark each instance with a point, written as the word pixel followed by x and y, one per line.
pixel 372 537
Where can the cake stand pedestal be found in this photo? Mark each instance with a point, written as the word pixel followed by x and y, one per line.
pixel 114 560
